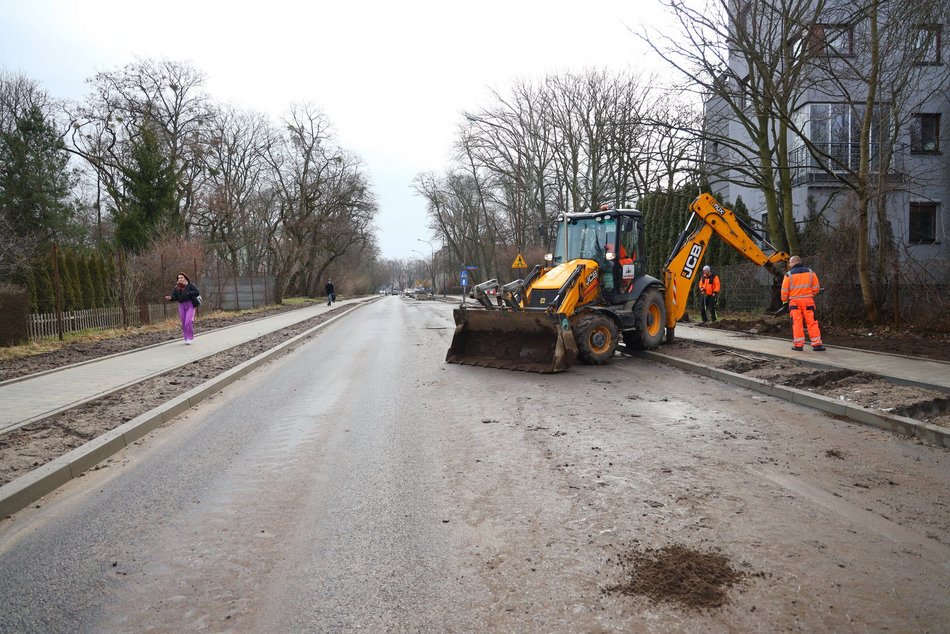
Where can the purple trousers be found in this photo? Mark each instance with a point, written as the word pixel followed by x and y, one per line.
pixel 186 311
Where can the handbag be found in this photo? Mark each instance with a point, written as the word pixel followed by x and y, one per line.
pixel 197 301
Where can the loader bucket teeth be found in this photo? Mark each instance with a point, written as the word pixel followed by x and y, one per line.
pixel 513 340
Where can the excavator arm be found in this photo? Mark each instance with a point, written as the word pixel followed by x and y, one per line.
pixel 685 263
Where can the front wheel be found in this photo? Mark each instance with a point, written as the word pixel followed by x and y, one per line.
pixel 649 313
pixel 597 337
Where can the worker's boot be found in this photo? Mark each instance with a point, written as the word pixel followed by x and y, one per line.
pixel 818 348
pixel 798 348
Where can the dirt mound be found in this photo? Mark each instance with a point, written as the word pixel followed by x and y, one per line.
pixel 676 574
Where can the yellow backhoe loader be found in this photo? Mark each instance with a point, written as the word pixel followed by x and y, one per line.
pixel 593 292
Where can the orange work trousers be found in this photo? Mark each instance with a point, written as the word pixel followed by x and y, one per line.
pixel 802 311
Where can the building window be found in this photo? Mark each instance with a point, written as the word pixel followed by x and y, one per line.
pixel 923 223
pixel 743 92
pixel 833 40
pixel 834 130
pixel 925 133
pixel 927 43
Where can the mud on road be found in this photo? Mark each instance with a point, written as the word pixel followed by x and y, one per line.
pixel 38 443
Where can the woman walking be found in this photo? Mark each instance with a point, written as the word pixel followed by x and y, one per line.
pixel 186 294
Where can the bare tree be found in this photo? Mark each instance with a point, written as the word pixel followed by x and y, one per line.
pixel 456 214
pixel 741 57
pixel 160 95
pixel 232 209
pixel 324 207
pixel 878 62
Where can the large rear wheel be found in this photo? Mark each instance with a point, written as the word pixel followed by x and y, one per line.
pixel 649 314
pixel 597 337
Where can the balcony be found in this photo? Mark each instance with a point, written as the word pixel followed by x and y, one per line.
pixel 843 159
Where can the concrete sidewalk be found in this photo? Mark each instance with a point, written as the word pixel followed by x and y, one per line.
pixel 910 370
pixel 34 397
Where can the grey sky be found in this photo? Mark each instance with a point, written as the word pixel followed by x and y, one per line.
pixel 392 76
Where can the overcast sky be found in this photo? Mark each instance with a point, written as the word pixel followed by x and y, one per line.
pixel 393 76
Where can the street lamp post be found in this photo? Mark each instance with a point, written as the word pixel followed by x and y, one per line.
pixel 423 259
pixel 431 262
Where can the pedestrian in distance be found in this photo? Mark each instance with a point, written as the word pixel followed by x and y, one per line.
pixel 331 296
pixel 188 298
pixel 708 294
pixel 799 288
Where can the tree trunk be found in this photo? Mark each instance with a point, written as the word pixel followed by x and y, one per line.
pixel 785 187
pixel 863 191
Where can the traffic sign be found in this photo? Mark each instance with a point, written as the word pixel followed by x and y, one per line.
pixel 471 268
pixel 519 263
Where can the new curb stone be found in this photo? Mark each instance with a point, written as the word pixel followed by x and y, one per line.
pixel 925 432
pixel 32 486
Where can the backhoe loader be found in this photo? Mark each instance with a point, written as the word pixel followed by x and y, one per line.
pixel 593 291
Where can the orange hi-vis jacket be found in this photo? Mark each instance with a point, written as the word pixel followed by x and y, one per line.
pixel 709 284
pixel 799 283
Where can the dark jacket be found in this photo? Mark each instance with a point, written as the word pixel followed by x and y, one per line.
pixel 187 294
pixel 328 288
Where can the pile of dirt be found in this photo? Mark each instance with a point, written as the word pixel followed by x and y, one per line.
pixel 676 574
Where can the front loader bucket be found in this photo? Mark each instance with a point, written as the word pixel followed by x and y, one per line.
pixel 514 340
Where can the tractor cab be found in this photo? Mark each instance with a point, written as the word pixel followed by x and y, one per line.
pixel 610 237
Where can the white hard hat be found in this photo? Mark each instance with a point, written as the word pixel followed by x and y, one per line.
pixel 706 268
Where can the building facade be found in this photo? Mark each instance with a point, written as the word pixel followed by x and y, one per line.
pixel 906 141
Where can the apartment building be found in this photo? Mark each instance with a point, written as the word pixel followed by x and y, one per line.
pixel 908 140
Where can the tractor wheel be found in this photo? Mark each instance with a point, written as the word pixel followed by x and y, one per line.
pixel 650 318
pixel 597 337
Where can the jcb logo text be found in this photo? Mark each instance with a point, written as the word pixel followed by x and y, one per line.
pixel 692 260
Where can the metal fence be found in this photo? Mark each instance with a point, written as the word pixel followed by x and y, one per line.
pixel 238 292
pixel 745 288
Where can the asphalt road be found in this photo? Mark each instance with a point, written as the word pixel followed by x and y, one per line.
pixel 362 483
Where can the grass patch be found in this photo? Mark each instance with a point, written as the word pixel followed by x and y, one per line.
pixel 301 301
pixel 51 344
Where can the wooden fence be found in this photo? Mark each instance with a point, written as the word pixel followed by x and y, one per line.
pixel 43 325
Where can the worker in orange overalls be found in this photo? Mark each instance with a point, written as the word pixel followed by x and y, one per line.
pixel 708 293
pixel 799 287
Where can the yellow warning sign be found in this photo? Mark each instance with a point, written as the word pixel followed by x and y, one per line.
pixel 519 263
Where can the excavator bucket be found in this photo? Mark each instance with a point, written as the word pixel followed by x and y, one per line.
pixel 512 339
